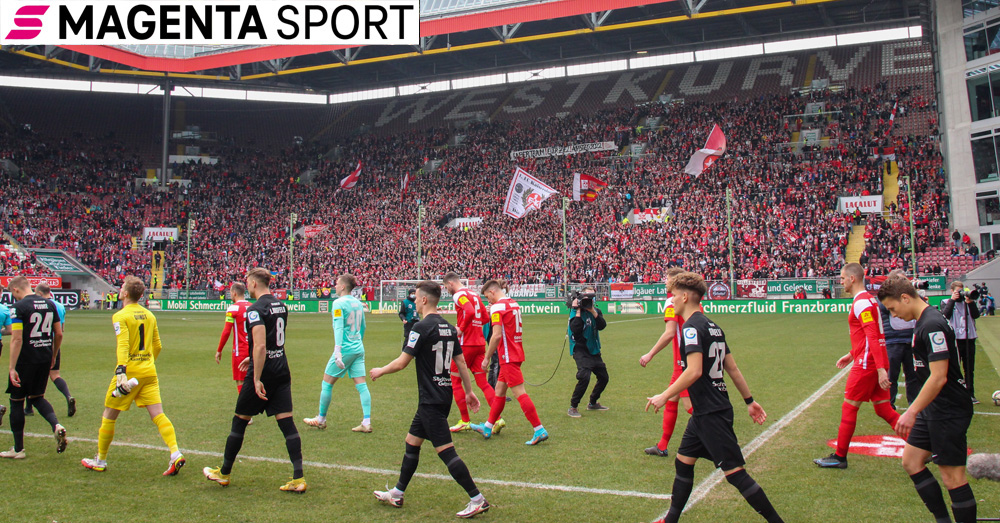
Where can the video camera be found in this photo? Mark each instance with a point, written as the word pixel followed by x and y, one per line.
pixel 585 299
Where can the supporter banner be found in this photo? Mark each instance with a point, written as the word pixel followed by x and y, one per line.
pixel 718 290
pixel 526 193
pixel 622 291
pixel 654 214
pixel 310 231
pixel 579 148
pixel 751 289
pixel 866 204
pixel 69 298
pixel 160 233
pixel 54 282
pixel 175 294
pixel 790 286
pixel 185 158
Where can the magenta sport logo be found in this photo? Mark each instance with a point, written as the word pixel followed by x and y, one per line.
pixel 26 17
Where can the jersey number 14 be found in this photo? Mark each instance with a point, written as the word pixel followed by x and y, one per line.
pixel 442 352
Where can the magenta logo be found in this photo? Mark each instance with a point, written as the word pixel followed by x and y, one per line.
pixel 25 17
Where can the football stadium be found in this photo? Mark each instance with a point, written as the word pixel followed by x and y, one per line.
pixel 517 206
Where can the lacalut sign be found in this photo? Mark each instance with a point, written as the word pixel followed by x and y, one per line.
pixel 117 22
pixel 160 233
pixel 866 204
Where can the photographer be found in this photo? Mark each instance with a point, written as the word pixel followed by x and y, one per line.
pixel 585 322
pixel 961 311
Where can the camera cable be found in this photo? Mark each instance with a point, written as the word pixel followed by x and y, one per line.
pixel 558 362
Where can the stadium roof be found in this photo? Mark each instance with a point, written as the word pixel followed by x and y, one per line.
pixel 462 38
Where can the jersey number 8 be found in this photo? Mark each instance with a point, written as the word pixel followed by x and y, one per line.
pixel 279 332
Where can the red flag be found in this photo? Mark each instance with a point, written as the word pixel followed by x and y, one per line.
pixel 586 187
pixel 703 158
pixel 352 179
pixel 405 184
pixel 892 118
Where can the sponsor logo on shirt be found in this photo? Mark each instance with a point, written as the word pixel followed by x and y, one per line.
pixel 412 342
pixel 118 328
pixel 938 344
pixel 496 317
pixel 866 317
pixel 463 300
pixel 669 313
pixel 337 313
pixel 254 316
pixel 690 336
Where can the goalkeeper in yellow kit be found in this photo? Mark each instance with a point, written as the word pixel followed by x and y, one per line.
pixel 138 347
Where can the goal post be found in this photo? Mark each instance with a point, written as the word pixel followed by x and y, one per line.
pixel 391 292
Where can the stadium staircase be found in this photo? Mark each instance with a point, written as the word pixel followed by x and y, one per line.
pixel 157 270
pixel 890 185
pixel 855 244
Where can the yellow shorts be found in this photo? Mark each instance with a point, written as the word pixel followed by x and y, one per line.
pixel 146 393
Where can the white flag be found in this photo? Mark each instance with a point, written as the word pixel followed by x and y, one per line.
pixel 526 194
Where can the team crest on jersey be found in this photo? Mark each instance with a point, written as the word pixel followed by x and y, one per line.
pixel 412 342
pixel 118 328
pixel 938 343
pixel 690 336
pixel 253 316
pixel 337 313
pixel 866 317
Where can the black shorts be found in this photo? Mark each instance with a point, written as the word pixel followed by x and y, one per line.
pixel 34 378
pixel 944 439
pixel 431 423
pixel 711 436
pixel 58 357
pixel 279 399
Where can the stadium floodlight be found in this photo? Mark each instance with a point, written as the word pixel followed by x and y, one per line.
pixel 44 83
pixel 479 81
pixel 597 67
pixel 298 98
pixel 800 44
pixel 225 94
pixel 114 87
pixel 661 60
pixel 722 53
pixel 867 37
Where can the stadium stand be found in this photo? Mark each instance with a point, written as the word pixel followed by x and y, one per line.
pixel 784 194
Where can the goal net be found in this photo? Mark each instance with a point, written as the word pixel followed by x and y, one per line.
pixel 391 292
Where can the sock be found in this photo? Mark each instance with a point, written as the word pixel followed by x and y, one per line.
pixel 496 408
pixel 166 431
pixel 293 443
pixel 930 492
pixel 104 437
pixel 683 484
pixel 233 444
pixel 484 385
pixel 754 495
pixel 366 400
pixel 325 395
pixel 848 421
pixel 963 504
pixel 62 386
pixel 690 410
pixel 45 409
pixel 459 470
pixel 459 392
pixel 886 412
pixel 529 410
pixel 669 422
pixel 410 460
pixel 17 423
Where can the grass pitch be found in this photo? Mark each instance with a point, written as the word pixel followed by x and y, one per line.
pixel 785 358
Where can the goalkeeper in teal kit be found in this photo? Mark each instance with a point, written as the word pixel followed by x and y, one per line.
pixel 348 354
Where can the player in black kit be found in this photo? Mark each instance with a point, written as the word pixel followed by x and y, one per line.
pixel 709 433
pixel 936 422
pixel 433 344
pixel 34 344
pixel 268 385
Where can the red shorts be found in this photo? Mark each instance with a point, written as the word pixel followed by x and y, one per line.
pixel 862 385
pixel 238 375
pixel 677 374
pixel 474 355
pixel 510 373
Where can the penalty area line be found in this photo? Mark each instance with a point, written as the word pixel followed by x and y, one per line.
pixel 385 472
pixel 716 477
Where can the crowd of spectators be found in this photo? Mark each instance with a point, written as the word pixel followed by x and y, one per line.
pixel 81 195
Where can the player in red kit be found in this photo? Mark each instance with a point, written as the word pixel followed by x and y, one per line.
pixel 869 376
pixel 236 321
pixel 471 316
pixel 505 317
pixel 671 333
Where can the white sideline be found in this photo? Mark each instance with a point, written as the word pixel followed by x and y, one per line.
pixel 987 413
pixel 716 477
pixel 371 470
